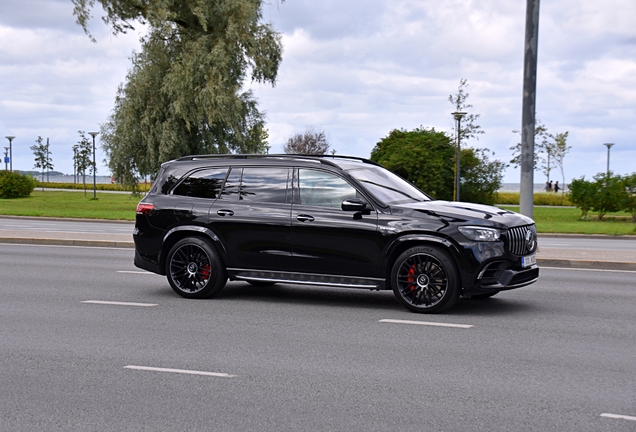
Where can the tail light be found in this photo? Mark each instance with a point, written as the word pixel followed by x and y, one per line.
pixel 144 208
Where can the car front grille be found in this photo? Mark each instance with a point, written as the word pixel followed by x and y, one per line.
pixel 522 240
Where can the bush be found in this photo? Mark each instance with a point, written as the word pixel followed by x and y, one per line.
pixel 14 185
pixel 582 193
pixel 542 198
pixel 609 194
pixel 629 200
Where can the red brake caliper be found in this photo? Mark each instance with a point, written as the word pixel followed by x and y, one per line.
pixel 205 272
pixel 411 278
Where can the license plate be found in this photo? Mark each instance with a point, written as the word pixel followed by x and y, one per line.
pixel 529 260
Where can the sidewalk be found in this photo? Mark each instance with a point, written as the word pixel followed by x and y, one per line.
pixel 546 257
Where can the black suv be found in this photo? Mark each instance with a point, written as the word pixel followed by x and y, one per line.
pixel 323 220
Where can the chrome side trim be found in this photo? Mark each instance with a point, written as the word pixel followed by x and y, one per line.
pixel 291 281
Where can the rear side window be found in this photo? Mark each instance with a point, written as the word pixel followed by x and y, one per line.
pixel 257 184
pixel 205 183
pixel 264 184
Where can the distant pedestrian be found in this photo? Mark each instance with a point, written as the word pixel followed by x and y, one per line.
pixel 550 186
pixel 547 186
pixel 556 187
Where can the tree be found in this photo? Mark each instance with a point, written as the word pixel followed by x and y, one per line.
pixel 42 154
pixel 469 128
pixel 310 142
pixel 82 157
pixel 184 92
pixel 541 140
pixel 425 158
pixel 480 178
pixel 560 149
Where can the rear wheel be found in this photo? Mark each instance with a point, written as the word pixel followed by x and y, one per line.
pixel 425 279
pixel 194 268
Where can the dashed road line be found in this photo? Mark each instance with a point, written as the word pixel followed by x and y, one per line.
pixel 101 302
pixel 618 416
pixel 180 371
pixel 425 323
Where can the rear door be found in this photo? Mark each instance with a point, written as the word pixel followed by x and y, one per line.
pixel 252 218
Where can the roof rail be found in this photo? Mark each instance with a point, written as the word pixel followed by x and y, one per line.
pixel 320 158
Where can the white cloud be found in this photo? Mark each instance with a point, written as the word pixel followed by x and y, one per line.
pixel 357 69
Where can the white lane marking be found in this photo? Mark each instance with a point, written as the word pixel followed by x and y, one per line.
pixel 137 272
pixel 586 269
pixel 437 324
pixel 618 416
pixel 181 371
pixel 118 303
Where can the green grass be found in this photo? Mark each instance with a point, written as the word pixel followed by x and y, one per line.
pixel 72 205
pixel 568 220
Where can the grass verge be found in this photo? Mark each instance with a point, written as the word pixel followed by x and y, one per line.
pixel 72 205
pixel 566 220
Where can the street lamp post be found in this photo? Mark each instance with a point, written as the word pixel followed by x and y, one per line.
pixel 75 164
pixel 10 138
pixel 609 146
pixel 458 116
pixel 94 134
pixel 6 155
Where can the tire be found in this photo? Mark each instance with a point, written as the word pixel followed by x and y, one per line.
pixel 425 279
pixel 194 269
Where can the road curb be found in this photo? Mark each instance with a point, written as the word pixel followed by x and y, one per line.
pixel 588 236
pixel 586 264
pixel 69 242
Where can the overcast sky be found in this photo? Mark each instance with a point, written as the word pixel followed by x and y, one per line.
pixel 356 69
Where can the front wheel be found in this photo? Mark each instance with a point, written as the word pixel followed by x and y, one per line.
pixel 425 279
pixel 194 269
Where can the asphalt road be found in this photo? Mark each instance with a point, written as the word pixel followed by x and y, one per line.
pixel 47 225
pixel 555 356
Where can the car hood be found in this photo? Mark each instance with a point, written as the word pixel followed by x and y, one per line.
pixel 469 213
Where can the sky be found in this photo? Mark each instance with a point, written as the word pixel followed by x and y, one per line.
pixel 356 69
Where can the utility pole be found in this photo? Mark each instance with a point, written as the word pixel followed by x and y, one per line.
pixel 526 200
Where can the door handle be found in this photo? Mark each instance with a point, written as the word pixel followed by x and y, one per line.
pixel 304 218
pixel 225 213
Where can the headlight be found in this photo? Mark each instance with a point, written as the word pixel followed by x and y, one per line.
pixel 479 233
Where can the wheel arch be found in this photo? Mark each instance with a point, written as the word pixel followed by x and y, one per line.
pixel 183 231
pixel 411 240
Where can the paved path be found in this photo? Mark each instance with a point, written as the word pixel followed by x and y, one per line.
pixel 574 251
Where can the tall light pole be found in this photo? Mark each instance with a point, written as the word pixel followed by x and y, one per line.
pixel 6 156
pixel 458 116
pixel 75 164
pixel 94 134
pixel 10 138
pixel 609 146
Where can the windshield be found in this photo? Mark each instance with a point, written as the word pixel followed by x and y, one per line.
pixel 386 186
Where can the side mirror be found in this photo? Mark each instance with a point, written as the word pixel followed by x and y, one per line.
pixel 354 204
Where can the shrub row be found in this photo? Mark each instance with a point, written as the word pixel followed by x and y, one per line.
pixel 14 185
pixel 143 187
pixel 541 198
pixel 606 193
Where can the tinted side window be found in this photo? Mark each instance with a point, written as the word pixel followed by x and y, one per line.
pixel 232 184
pixel 321 188
pixel 205 183
pixel 264 184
